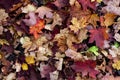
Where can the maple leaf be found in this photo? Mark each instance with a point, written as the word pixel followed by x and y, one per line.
pixel 87 4
pixel 36 29
pixel 98 35
pixel 93 19
pixel 109 19
pixel 86 67
pixel 78 24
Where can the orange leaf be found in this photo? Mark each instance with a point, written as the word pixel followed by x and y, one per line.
pixel 93 19
pixel 36 29
pixel 109 19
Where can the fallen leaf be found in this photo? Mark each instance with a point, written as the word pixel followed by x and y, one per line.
pixel 109 19
pixel 87 4
pixel 44 12
pixel 94 50
pixel 98 35
pixel 3 15
pixel 3 42
pixel 86 67
pixel 93 19
pixel 36 29
pixel 32 20
pixel 78 24
pixel 73 54
pixel 28 8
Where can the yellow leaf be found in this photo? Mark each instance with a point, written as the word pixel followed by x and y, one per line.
pixel 24 66
pixel 109 19
pixel 3 41
pixel 78 24
pixel 30 59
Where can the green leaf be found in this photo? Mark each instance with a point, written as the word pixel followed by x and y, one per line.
pixel 116 44
pixel 94 49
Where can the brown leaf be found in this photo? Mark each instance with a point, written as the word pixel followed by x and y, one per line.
pixel 3 15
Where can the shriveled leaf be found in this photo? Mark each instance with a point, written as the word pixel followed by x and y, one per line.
pixel 82 35
pixel 73 54
pixel 117 37
pixel 3 15
pixel 44 12
pixel 57 20
pixel 109 19
pixel 32 20
pixel 1 29
pixel 28 8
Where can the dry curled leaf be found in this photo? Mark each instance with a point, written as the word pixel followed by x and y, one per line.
pixel 112 6
pixel 44 12
pixel 73 54
pixel 3 15
pixel 28 8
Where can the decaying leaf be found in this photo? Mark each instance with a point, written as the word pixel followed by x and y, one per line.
pixel 112 6
pixel 73 54
pixel 28 8
pixel 57 20
pixel 3 15
pixel 117 37
pixel 44 12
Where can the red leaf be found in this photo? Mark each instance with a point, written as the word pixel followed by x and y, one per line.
pixel 86 67
pixel 98 35
pixel 87 4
